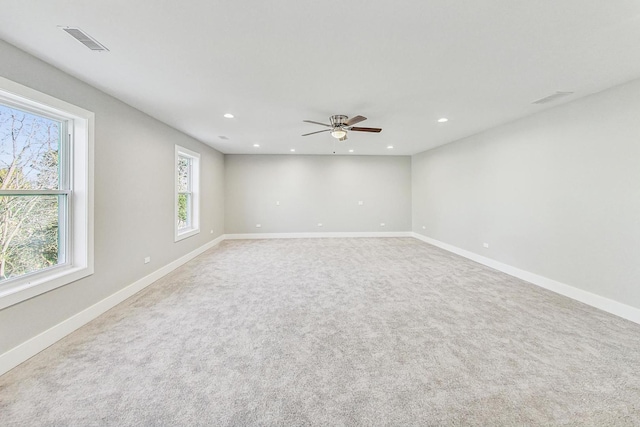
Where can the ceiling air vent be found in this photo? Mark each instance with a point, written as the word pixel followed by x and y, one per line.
pixel 552 97
pixel 85 39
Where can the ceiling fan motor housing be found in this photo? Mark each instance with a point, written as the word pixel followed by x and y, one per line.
pixel 338 120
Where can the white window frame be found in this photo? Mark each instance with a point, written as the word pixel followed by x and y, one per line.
pixel 79 219
pixel 193 222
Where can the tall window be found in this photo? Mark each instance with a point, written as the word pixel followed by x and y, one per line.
pixel 35 184
pixel 44 193
pixel 187 201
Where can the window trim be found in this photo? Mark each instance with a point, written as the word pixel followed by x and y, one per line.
pixel 194 177
pixel 79 261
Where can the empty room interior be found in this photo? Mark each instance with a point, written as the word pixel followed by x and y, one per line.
pixel 328 213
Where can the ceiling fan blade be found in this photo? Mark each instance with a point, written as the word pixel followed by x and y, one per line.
pixel 317 123
pixel 357 129
pixel 320 131
pixel 354 120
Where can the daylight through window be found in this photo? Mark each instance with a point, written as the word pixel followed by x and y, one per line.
pixel 35 192
pixel 185 194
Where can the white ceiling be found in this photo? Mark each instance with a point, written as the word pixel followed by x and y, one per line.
pixel 402 64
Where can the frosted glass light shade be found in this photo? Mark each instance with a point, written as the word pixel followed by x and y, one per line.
pixel 338 133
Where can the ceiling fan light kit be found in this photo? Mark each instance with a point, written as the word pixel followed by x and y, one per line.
pixel 340 125
pixel 339 133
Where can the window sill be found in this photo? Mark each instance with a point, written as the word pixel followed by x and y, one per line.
pixel 21 290
pixel 187 233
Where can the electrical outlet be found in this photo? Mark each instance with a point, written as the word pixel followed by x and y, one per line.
pixel 486 245
pixel 382 224
pixel 319 224
pixel 277 203
pixel 258 225
pixel 424 228
pixel 147 260
pixel 211 231
pixel 360 203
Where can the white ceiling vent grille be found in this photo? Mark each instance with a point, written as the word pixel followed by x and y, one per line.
pixel 85 39
pixel 552 97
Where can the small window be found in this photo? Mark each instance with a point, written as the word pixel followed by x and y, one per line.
pixel 187 200
pixel 45 222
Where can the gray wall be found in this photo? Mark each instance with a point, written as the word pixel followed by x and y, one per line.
pixel 556 194
pixel 134 182
pixel 317 189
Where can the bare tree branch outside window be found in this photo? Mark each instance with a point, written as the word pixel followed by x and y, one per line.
pixel 29 224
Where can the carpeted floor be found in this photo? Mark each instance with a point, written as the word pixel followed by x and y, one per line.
pixel 332 332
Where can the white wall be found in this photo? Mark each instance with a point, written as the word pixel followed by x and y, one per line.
pixel 556 194
pixel 317 189
pixel 134 184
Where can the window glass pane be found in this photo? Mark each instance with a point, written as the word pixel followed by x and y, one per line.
pixel 29 234
pixel 184 210
pixel 184 170
pixel 29 150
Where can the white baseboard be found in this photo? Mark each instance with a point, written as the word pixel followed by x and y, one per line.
pixel 35 345
pixel 605 304
pixel 317 235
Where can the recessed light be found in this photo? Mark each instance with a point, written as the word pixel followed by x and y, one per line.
pixel 443 120
pixel 389 147
pixel 228 116
pixel 293 150
pixel 256 145
pixel 351 151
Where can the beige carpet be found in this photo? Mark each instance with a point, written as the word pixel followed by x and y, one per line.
pixel 332 332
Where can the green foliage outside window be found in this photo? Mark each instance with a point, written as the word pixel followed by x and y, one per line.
pixel 182 210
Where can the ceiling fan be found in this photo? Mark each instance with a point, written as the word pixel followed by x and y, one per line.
pixel 340 124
